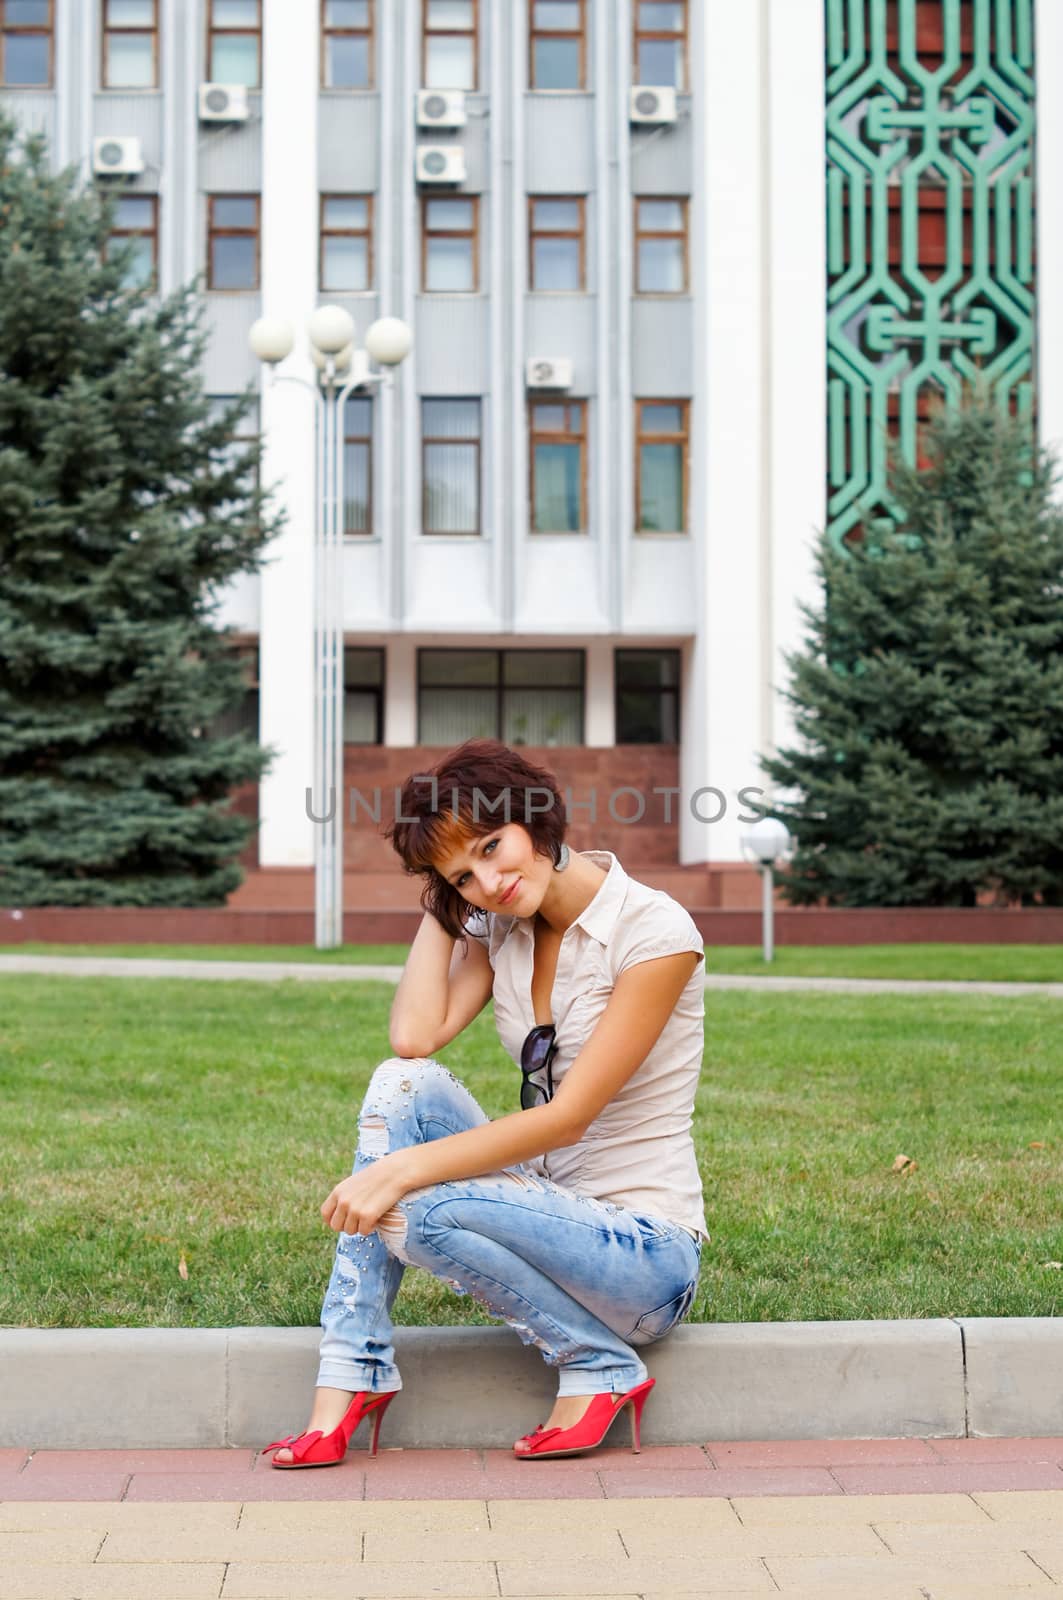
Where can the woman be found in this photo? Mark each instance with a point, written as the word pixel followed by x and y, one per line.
pixel 579 1218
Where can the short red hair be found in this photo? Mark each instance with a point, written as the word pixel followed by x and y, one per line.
pixel 476 788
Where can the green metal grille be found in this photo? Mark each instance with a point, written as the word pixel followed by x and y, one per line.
pixel 930 200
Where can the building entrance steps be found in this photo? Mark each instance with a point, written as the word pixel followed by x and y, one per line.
pixel 476 1388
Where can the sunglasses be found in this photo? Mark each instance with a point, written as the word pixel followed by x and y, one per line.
pixel 536 1056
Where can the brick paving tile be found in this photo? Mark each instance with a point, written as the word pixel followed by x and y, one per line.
pixel 408 1580
pixel 998 1449
pixel 817 1452
pixel 562 1486
pixel 451 1486
pixel 832 1511
pixel 244 1544
pixel 975 1591
pixel 868 1591
pixel 190 1581
pixel 949 1477
pixel 729 1481
pixel 1048 1553
pixel 331 1516
pixel 331 1483
pixel 849 1573
pixel 106 1461
pixel 119 1514
pixel 65 1486
pixel 677 1575
pixel 599 1544
pixel 649 1540
pixel 912 1538
pixel 50 1545
pixel 555 1519
pixel 1020 1506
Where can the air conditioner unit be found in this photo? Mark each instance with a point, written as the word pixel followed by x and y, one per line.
pixel 117 158
pixel 440 108
pixel 440 163
pixel 553 373
pixel 222 102
pixel 651 104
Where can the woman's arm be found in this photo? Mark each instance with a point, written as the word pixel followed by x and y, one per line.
pixel 642 1000
pixel 641 1003
pixel 441 989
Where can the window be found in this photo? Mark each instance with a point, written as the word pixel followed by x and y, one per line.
pixel 358 465
pixel 647 696
pixel 449 243
pixel 449 44
pixel 661 246
pixel 136 217
pixel 450 466
pixel 556 251
pixel 530 697
pixel 558 466
pixel 363 696
pixel 233 241
pixel 558 46
pixel 130 44
pixel 661 42
pixel 27 29
pixel 234 41
pixel 661 465
pixel 346 242
pixel 347 44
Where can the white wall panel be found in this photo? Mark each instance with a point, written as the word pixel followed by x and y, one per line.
pixel 289 285
pixel 450 586
pixel 662 595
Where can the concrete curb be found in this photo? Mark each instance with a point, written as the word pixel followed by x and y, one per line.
pixel 168 1388
pixel 345 972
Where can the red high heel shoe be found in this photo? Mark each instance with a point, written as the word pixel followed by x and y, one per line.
pixel 317 1449
pixel 590 1431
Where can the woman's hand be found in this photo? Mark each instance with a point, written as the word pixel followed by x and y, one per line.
pixel 357 1204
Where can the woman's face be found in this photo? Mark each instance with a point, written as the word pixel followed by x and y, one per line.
pixel 498 871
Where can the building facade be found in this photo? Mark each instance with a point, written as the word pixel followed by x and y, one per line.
pixel 675 269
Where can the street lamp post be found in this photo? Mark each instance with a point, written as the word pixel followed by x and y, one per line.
pixel 765 842
pixel 342 368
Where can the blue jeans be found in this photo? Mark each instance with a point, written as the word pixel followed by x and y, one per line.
pixel 582 1279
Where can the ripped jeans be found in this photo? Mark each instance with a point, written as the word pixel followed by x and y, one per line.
pixel 582 1279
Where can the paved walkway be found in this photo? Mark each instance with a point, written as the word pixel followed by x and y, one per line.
pixel 326 972
pixel 911 1519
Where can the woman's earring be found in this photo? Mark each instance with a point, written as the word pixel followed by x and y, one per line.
pixel 562 861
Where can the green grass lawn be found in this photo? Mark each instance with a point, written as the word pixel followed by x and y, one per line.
pixel 146 1123
pixel 1015 963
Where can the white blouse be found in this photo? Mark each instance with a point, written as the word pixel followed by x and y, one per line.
pixel 638 1153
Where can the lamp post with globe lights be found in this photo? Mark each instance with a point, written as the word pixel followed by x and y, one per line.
pixel 341 369
pixel 765 842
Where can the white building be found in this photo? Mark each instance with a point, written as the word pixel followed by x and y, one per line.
pixel 690 260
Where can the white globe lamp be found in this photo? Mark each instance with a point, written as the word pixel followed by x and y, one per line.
pixel 388 341
pixel 765 842
pixel 330 328
pixel 271 339
pixel 341 361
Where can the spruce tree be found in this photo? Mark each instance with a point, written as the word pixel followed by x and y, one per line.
pixel 928 699
pixel 124 509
